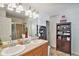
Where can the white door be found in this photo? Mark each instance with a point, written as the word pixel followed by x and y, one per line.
pixel 5 29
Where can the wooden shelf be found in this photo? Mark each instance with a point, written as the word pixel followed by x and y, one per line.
pixel 60 24
pixel 62 35
pixel 63 40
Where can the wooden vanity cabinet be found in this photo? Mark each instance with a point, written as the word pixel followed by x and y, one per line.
pixel 39 51
pixel 45 50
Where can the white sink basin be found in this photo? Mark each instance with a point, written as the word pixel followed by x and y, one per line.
pixel 11 51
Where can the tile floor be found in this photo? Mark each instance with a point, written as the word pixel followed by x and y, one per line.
pixel 54 52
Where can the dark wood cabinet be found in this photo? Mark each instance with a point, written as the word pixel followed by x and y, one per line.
pixel 63 37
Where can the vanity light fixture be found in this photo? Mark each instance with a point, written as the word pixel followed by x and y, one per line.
pixel 28 12
pixel 32 13
pixel 1 5
pixel 11 6
pixel 36 15
pixel 17 7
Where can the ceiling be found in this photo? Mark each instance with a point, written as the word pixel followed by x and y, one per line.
pixel 48 9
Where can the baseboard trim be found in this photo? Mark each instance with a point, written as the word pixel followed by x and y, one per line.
pixel 53 47
pixel 74 54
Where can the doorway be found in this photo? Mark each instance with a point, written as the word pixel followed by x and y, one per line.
pixel 20 29
pixel 48 31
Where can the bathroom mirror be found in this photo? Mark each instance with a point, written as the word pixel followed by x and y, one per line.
pixel 32 26
pixel 12 27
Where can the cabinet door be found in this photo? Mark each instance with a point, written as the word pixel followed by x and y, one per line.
pixel 20 29
pixel 66 46
pixel 45 49
pixel 59 44
pixel 37 52
pixel 27 54
pixel 34 52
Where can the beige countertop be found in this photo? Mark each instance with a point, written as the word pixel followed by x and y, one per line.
pixel 32 45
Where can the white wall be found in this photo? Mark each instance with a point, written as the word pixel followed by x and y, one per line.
pixel 2 12
pixel 5 25
pixel 42 19
pixel 72 14
pixel 5 28
pixel 53 31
